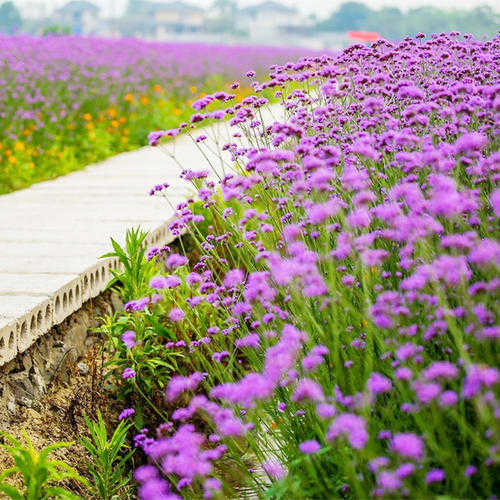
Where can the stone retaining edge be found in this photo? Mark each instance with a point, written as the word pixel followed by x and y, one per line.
pixel 18 334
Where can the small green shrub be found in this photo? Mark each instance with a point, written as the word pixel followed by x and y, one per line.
pixel 41 475
pixel 137 270
pixel 109 457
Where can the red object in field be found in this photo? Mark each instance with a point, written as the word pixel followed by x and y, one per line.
pixel 363 36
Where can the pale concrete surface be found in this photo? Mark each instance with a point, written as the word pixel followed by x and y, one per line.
pixel 53 233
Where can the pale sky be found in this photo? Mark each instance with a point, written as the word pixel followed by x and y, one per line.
pixel 322 8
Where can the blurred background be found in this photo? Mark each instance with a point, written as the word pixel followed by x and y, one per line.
pixel 314 24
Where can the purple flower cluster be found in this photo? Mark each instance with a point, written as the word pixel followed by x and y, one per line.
pixel 362 309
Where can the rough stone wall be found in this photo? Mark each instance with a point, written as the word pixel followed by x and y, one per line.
pixel 53 357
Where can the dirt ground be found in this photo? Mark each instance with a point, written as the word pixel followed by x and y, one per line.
pixel 58 416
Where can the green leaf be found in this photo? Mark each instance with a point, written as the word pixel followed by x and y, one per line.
pixel 11 492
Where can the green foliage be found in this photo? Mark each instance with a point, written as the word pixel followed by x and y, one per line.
pixel 41 475
pixel 137 270
pixel 10 19
pixel 349 16
pixel 109 458
pixel 392 23
pixel 56 30
pixel 150 360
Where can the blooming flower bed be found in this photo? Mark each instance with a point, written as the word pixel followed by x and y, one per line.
pixel 69 101
pixel 334 332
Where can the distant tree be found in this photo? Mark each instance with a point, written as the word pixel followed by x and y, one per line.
pixel 56 30
pixel 388 21
pixel 393 24
pixel 349 16
pixel 480 21
pixel 10 18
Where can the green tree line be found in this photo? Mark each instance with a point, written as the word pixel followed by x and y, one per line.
pixel 392 23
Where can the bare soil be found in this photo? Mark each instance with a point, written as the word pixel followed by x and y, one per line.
pixel 58 416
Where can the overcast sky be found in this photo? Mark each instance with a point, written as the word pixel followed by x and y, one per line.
pixel 319 7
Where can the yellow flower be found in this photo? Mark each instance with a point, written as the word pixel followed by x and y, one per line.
pixel 193 89
pixel 112 112
pixel 176 111
pixel 13 160
pixel 114 123
pixel 19 146
pixel 129 97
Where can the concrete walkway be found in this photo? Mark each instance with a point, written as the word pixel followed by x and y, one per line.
pixel 53 233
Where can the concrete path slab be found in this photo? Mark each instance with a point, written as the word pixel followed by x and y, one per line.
pixel 53 233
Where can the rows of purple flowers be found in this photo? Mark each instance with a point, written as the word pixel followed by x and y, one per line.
pixel 342 320
pixel 34 68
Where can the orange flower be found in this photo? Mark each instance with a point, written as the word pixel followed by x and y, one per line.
pixel 144 100
pixel 129 97
pixel 157 88
pixel 87 117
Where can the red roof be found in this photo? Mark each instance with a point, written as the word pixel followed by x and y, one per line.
pixel 363 36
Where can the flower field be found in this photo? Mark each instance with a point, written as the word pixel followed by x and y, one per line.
pixel 326 324
pixel 66 102
pixel 332 329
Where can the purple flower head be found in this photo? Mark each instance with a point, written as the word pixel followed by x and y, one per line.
pixel 435 476
pixel 274 469
pixel 176 314
pixel 352 427
pixel 175 260
pixel 233 278
pixel 408 445
pixel 377 383
pixel 309 447
pixel 128 373
pixel 128 338
pixel 127 412
pixel 154 137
